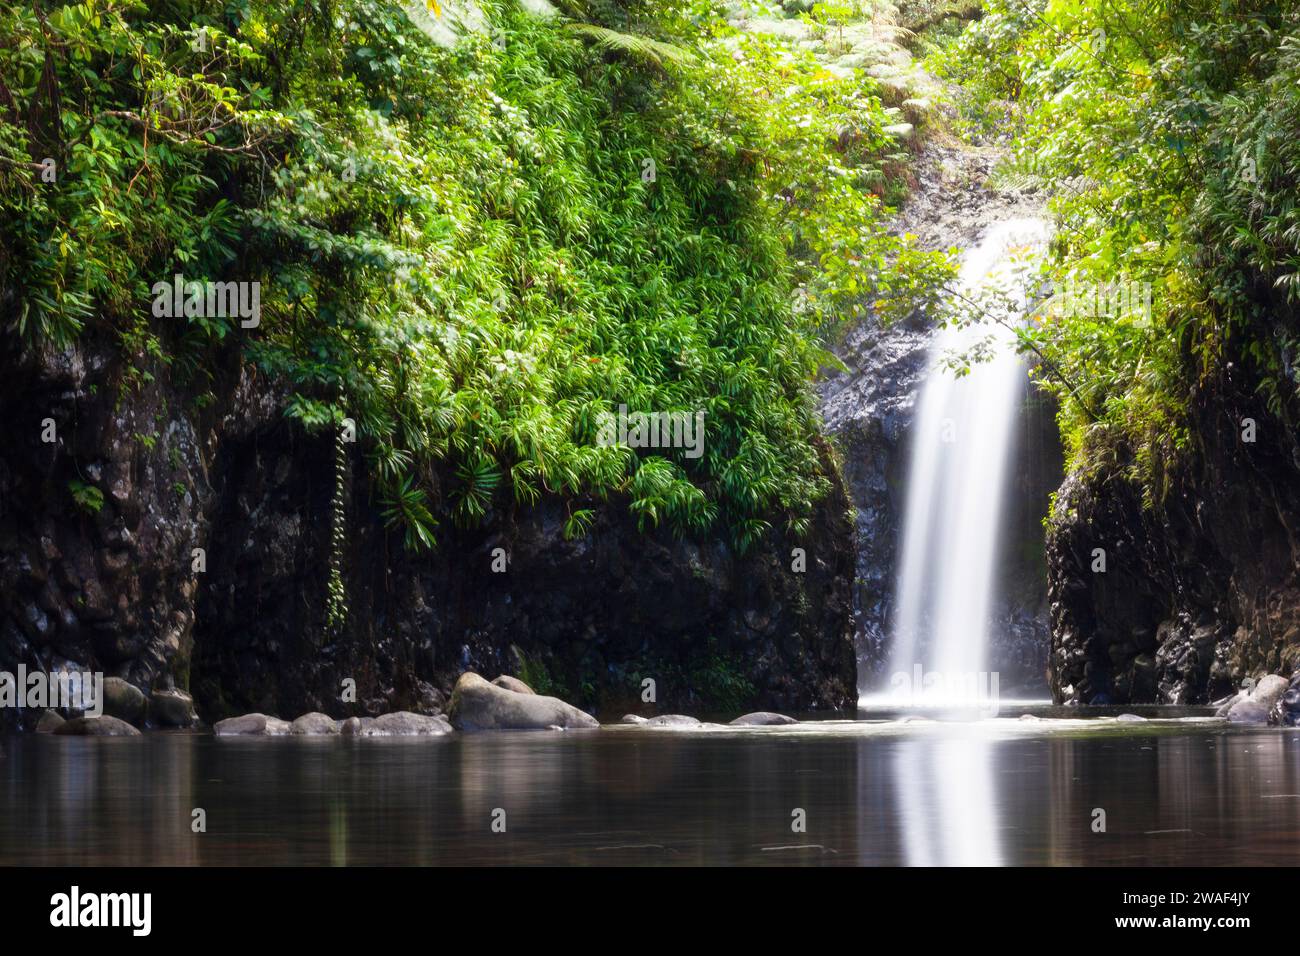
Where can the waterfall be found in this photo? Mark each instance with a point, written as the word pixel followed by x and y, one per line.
pixel 961 442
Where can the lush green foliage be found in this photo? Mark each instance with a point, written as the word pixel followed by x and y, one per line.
pixel 471 252
pixel 1167 133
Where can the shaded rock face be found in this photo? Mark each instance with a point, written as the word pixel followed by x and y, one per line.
pixel 1202 589
pixel 114 584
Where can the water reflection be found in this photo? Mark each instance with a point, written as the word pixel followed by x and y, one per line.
pixel 946 802
pixel 872 794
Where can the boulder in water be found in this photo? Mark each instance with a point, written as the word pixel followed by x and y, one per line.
pixel 1286 710
pixel 1255 706
pixel 172 708
pixel 763 718
pixel 314 724
pixel 251 725
pixel 673 720
pixel 478 705
pixel 50 721
pixel 632 719
pixel 514 684
pixel 1130 719
pixel 96 727
pixel 123 700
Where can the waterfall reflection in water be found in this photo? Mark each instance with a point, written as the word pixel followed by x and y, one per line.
pixel 995 792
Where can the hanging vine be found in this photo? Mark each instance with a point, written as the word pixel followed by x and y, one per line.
pixel 337 610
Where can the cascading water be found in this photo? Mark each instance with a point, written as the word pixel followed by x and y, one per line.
pixel 961 444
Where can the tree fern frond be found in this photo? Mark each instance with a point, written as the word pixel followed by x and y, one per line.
pixel 656 51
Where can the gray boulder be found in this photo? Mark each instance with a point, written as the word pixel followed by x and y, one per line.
pixel 1254 707
pixel 673 720
pixel 172 708
pixel 124 700
pixel 251 725
pixel 1130 719
pixel 632 719
pixel 763 718
pixel 50 721
pixel 514 684
pixel 96 727
pixel 314 724
pixel 402 723
pixel 478 705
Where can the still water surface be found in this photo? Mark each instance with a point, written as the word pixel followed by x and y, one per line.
pixel 874 792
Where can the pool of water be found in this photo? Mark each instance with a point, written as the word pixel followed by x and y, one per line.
pixel 872 792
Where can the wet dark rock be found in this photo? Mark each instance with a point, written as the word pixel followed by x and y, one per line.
pixel 50 722
pixel 514 684
pixel 762 718
pixel 96 727
pixel 1286 710
pixel 124 700
pixel 478 705
pixel 172 708
pixel 118 591
pixel 1200 591
pixel 251 725
pixel 314 724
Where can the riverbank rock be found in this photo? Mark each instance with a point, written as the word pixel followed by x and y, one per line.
pixel 124 700
pixel 399 724
pixel 478 705
pixel 514 684
pixel 172 708
pixel 50 721
pixel 314 724
pixel 634 719
pixel 1255 705
pixel 251 725
pixel 96 727
pixel 1286 711
pixel 763 718
pixel 1130 719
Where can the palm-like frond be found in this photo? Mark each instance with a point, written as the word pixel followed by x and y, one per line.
pixel 656 51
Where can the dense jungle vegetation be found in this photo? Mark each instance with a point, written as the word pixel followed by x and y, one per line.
pixel 471 249
pixel 1167 132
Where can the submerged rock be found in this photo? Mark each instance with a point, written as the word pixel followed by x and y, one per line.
pixel 172 708
pixel 124 700
pixel 514 684
pixel 96 727
pixel 314 724
pixel 50 721
pixel 762 718
pixel 251 725
pixel 478 705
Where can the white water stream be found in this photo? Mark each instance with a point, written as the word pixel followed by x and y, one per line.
pixel 961 443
